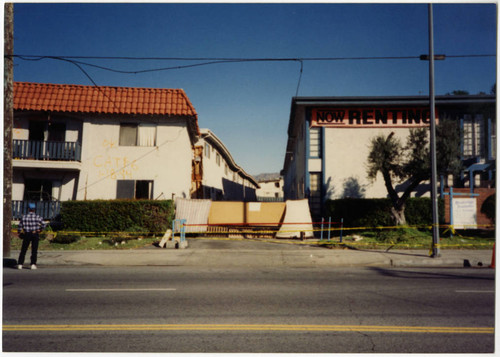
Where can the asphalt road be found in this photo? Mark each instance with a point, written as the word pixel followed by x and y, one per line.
pixel 189 309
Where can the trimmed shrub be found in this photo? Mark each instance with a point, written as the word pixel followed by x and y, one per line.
pixel 117 215
pixel 360 212
pixel 364 212
pixel 65 238
pixel 419 211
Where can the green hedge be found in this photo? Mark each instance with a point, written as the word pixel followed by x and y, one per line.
pixel 117 215
pixel 488 207
pixel 363 212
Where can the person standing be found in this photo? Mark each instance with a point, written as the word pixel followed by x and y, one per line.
pixel 32 224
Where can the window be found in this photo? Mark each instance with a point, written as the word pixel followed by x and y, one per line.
pixel 37 190
pixel 277 184
pixel 138 189
pixel 315 196
pixel 226 169
pixel 146 135
pixel 217 159
pixel 137 135
pixel 473 139
pixel 315 142
pixel 207 150
pixel 128 134
pixel 493 140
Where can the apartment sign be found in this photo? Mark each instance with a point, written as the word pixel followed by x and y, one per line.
pixel 371 117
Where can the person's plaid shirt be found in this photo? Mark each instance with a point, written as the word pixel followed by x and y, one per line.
pixel 31 222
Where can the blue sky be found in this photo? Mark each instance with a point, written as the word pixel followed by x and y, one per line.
pixel 247 105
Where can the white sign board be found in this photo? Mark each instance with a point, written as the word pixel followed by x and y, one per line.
pixel 464 213
pixel 254 206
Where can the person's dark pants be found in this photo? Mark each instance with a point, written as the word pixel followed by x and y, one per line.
pixel 33 238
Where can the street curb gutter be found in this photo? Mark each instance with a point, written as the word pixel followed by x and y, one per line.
pixel 247 258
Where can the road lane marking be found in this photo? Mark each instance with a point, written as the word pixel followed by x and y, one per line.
pixel 475 291
pixel 256 327
pixel 124 289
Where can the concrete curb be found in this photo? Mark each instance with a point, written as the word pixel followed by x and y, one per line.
pixel 273 257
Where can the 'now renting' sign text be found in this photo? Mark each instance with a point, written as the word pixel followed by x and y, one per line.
pixel 371 117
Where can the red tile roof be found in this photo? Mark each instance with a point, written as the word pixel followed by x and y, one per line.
pixel 105 100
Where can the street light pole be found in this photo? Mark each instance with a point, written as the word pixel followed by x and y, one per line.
pixel 434 198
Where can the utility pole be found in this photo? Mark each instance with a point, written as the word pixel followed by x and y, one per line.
pixel 8 117
pixel 434 198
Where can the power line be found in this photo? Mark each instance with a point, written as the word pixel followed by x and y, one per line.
pixel 300 78
pixel 208 61
pixel 75 60
pixel 78 65
pixel 246 59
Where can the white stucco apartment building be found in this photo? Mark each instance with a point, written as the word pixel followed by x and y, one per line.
pixel 329 142
pixel 220 177
pixel 73 142
pixel 271 188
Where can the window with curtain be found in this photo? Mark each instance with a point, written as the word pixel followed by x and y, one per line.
pixel 146 135
pixel 137 135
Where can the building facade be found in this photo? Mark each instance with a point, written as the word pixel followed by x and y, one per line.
pixel 329 142
pixel 73 142
pixel 219 178
pixel 271 188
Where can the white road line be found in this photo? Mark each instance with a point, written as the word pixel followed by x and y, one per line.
pixel 126 289
pixel 475 291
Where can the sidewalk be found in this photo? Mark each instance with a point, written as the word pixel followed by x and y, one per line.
pixel 206 253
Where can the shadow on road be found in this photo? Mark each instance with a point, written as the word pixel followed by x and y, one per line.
pixel 411 254
pixel 407 274
pixel 9 263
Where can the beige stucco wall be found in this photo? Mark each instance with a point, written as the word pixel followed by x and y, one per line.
pixel 346 157
pixel 104 162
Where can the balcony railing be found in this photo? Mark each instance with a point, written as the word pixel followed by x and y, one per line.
pixel 46 209
pixel 47 150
